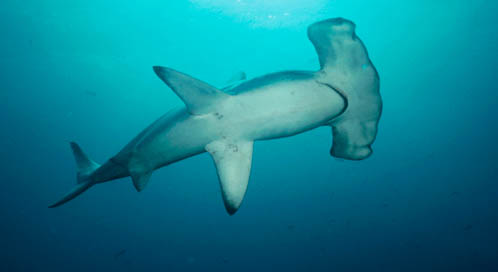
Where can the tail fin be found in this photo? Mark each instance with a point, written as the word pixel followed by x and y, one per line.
pixel 86 167
pixel 345 65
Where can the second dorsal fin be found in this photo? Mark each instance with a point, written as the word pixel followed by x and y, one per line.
pixel 198 96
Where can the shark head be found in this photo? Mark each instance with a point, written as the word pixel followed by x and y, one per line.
pixel 346 67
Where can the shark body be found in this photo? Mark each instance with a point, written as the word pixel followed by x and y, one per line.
pixel 343 94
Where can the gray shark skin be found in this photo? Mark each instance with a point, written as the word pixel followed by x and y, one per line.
pixel 343 94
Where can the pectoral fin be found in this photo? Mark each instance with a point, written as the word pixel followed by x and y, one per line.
pixel 233 162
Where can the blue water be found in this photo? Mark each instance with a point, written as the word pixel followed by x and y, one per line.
pixel 426 200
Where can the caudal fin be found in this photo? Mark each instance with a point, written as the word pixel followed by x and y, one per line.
pixel 86 167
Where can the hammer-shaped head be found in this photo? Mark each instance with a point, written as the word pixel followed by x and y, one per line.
pixel 345 65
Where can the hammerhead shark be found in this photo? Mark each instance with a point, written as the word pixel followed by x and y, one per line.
pixel 343 94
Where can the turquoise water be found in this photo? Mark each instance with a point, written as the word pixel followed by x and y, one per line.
pixel 426 200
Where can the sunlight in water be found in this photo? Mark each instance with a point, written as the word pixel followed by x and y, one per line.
pixel 267 13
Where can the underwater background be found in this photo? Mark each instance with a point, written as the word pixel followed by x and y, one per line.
pixel 426 200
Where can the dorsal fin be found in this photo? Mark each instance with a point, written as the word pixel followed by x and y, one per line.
pixel 198 96
pixel 237 77
pixel 84 164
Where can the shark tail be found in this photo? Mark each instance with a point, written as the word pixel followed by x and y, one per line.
pixel 86 168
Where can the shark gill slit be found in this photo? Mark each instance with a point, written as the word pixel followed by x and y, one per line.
pixel 341 93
